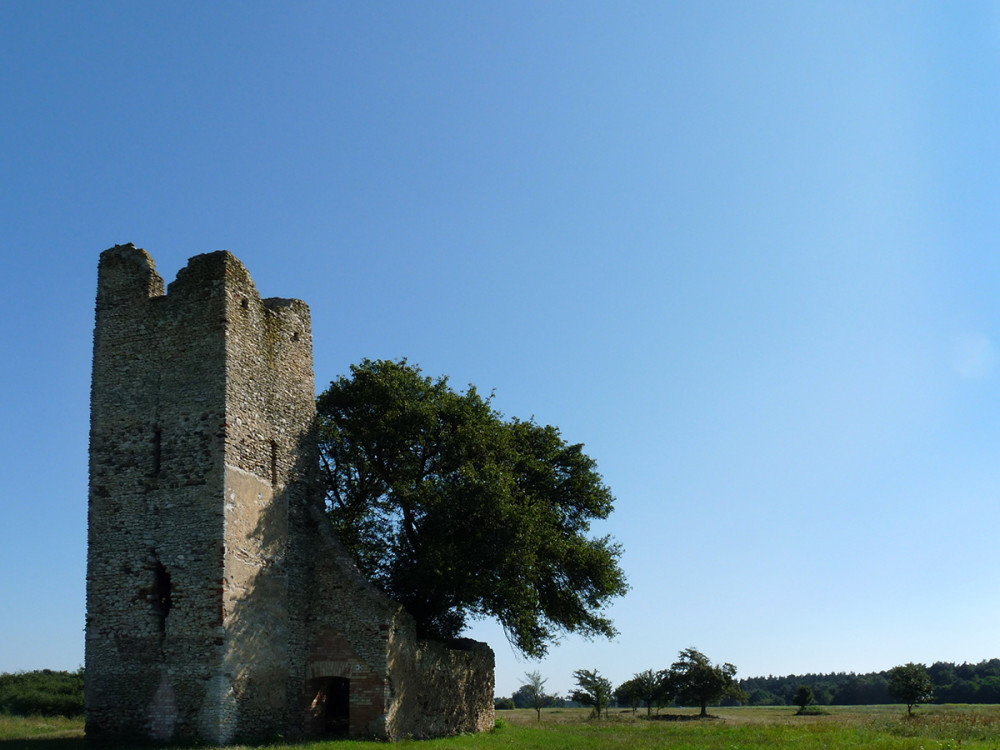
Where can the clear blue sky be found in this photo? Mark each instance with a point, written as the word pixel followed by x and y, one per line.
pixel 747 253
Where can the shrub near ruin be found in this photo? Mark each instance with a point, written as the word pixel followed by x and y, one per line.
pixel 42 692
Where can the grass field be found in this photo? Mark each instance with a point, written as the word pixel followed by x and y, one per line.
pixel 879 727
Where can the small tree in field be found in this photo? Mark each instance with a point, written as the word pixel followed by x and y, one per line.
pixel 535 690
pixel 910 684
pixel 803 697
pixel 628 694
pixel 647 688
pixel 653 688
pixel 594 690
pixel 695 681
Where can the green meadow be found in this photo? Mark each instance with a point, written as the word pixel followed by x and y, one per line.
pixel 947 727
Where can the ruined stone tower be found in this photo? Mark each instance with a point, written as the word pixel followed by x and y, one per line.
pixel 219 603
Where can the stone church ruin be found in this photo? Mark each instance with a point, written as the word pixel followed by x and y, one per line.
pixel 220 604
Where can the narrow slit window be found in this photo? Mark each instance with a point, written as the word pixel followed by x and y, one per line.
pixel 157 450
pixel 274 463
pixel 161 599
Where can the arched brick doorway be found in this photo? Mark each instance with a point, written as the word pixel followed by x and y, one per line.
pixel 330 706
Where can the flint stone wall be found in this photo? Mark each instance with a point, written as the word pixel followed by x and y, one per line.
pixel 220 604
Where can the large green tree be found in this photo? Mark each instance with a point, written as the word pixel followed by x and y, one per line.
pixel 696 681
pixel 457 513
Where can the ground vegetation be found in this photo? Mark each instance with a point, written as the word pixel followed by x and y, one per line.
pixel 43 692
pixel 749 728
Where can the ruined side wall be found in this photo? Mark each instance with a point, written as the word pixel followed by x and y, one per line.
pixel 155 554
pixel 401 686
pixel 350 625
pixel 441 690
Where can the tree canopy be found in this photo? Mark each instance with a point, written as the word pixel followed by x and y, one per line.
pixel 953 683
pixel 803 697
pixel 695 681
pixel 627 694
pixel 457 513
pixel 593 690
pixel 910 684
pixel 646 687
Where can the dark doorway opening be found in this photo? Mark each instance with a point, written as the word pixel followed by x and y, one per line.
pixel 330 705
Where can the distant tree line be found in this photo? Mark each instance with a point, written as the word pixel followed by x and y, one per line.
pixel 953 683
pixel 693 681
pixel 44 692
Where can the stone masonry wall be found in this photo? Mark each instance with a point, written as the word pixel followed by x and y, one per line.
pixel 441 690
pixel 154 567
pixel 220 604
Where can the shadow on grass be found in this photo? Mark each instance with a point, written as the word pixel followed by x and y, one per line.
pixel 679 717
pixel 46 743
pixel 812 711
pixel 78 742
